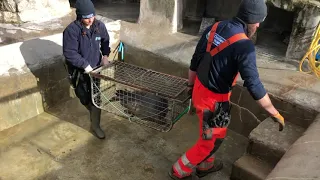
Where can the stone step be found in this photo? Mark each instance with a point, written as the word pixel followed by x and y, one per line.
pixel 249 167
pixel 270 144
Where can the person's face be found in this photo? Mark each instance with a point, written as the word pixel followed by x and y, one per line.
pixel 88 21
pixel 252 28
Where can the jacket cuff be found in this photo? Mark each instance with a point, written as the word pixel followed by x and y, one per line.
pixel 88 69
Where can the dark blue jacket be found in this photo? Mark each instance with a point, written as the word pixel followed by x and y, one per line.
pixel 81 46
pixel 238 57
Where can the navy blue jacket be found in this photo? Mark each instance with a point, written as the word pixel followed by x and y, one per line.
pixel 81 46
pixel 238 57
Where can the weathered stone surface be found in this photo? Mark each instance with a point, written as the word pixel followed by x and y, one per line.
pixel 305 25
pixel 206 22
pixel 243 121
pixel 301 161
pixel 295 113
pixel 32 10
pixel 9 17
pixel 270 144
pixel 24 96
pixel 166 14
pixel 291 5
pixel 194 9
pixel 250 168
pixel 8 5
pixel 33 77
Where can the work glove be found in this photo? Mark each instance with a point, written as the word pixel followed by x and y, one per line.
pixel 279 119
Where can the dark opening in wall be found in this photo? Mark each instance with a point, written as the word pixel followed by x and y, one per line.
pixel 274 33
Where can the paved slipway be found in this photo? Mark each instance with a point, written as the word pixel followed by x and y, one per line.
pixel 57 145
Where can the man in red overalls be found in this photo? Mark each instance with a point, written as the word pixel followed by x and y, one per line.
pixel 223 52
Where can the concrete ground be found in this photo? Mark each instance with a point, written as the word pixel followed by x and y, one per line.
pixel 57 145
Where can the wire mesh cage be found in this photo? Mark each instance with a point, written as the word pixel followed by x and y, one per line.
pixel 144 96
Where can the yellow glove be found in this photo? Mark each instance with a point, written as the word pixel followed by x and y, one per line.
pixel 279 119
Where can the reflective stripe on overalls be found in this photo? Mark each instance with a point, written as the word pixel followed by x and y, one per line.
pixel 201 155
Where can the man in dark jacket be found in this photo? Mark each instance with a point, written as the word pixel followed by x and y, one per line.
pixel 223 52
pixel 81 47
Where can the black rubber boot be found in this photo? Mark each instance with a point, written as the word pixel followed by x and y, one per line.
pixel 216 167
pixel 191 177
pixel 95 115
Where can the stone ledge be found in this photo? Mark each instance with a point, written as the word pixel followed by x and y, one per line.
pixel 301 161
pixel 269 144
pixel 249 167
pixel 33 76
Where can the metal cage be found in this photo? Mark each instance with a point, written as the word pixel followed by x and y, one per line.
pixel 144 96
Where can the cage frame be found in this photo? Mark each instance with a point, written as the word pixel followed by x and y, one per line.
pixel 187 100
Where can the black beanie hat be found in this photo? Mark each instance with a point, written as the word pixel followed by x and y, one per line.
pixel 85 9
pixel 252 11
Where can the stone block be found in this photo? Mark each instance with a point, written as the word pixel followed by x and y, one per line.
pixel 33 79
pixel 33 10
pixel 270 144
pixel 301 161
pixel 9 17
pixel 26 95
pixel 8 5
pixel 304 27
pixel 167 14
pixel 205 23
pixel 250 168
pixel 282 4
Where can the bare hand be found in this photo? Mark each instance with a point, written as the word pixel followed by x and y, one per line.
pixel 105 60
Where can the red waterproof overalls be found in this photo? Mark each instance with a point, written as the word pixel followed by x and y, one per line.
pixel 201 155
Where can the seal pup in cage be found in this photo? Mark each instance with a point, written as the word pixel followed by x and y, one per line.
pixel 145 106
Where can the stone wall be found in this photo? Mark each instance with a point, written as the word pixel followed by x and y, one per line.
pixel 194 9
pixel 304 27
pixel 33 76
pixel 166 14
pixel 14 11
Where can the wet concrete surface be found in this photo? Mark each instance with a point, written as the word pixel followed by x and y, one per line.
pixel 57 145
